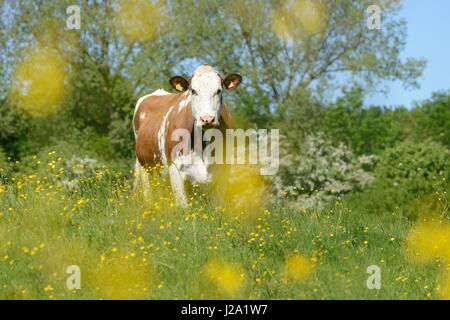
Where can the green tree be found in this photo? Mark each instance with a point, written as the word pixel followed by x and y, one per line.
pixel 127 48
pixel 273 44
pixel 13 127
pixel 433 118
pixel 367 130
pixel 121 52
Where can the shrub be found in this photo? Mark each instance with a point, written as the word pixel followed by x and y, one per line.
pixel 5 167
pixel 408 175
pixel 434 118
pixel 13 126
pixel 414 167
pixel 121 137
pixel 78 170
pixel 70 165
pixel 320 172
pixel 366 129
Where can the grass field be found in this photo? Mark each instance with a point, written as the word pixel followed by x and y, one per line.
pixel 130 248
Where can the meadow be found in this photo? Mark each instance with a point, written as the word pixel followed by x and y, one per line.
pixel 131 248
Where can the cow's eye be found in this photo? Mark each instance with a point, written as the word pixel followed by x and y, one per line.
pixel 194 92
pixel 218 91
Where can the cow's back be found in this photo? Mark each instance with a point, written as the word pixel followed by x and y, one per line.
pixel 155 114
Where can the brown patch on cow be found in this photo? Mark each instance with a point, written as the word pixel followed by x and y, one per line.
pixel 155 108
pixel 225 117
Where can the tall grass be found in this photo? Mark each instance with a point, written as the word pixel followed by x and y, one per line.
pixel 131 248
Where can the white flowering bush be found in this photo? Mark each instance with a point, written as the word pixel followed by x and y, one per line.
pixel 318 172
pixel 77 171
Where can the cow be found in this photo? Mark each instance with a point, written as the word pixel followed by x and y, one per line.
pixel 196 105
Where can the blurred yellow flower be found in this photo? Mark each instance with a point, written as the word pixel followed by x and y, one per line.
pixel 122 279
pixel 299 268
pixel 443 286
pixel 229 278
pixel 39 83
pixel 296 19
pixel 429 240
pixel 241 189
pixel 138 20
pixel 48 288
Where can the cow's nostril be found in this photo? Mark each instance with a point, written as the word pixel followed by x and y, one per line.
pixel 207 119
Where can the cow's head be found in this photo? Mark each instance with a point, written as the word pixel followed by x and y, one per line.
pixel 205 86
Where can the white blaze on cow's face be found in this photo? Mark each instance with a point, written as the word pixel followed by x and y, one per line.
pixel 205 88
pixel 206 96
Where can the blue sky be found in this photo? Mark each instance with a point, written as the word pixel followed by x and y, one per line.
pixel 429 38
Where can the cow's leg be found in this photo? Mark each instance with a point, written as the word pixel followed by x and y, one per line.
pixel 137 175
pixel 177 183
pixel 142 176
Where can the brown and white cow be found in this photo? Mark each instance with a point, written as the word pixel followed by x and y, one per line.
pixel 197 104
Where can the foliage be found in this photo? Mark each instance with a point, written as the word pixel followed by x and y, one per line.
pixel 300 116
pixel 372 129
pixel 13 126
pixel 411 178
pixel 57 131
pixel 367 130
pixel 415 167
pixel 104 66
pixel 249 37
pixel 5 166
pixel 434 118
pixel 110 64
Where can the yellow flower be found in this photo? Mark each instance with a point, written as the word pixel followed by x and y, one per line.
pixel 428 240
pixel 241 190
pixel 299 268
pixel 299 18
pixel 138 20
pixel 39 82
pixel 443 286
pixel 120 279
pixel 48 288
pixel 229 278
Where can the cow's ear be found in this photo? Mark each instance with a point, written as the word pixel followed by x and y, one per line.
pixel 231 81
pixel 179 83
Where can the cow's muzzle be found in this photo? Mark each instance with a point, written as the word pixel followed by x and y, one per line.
pixel 208 120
